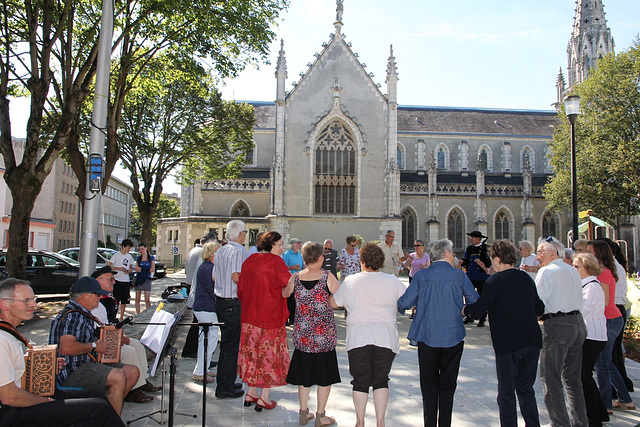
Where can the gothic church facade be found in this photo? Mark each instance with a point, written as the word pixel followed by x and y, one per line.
pixel 339 155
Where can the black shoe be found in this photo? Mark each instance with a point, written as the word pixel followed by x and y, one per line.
pixel 237 386
pixel 213 365
pixel 480 324
pixel 229 394
pixel 468 320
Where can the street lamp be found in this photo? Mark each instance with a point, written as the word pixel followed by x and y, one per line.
pixel 572 108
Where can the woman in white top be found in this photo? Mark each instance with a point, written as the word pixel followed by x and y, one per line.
pixel 593 302
pixel 372 331
pixel 528 263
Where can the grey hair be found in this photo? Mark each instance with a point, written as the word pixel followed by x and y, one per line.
pixel 419 241
pixel 438 248
pixel 389 231
pixel 553 245
pixel 8 286
pixel 568 254
pixel 75 295
pixel 528 245
pixel 328 240
pixel 234 228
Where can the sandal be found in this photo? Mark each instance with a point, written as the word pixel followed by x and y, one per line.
pixel 305 417
pixel 320 416
pixel 248 400
pixel 261 404
pixel 199 378
pixel 624 406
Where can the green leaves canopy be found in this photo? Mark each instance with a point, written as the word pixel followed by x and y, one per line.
pixel 607 141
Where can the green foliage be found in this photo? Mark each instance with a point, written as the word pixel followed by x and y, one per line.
pixel 607 141
pixel 167 208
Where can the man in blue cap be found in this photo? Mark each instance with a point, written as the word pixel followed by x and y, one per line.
pixel 73 330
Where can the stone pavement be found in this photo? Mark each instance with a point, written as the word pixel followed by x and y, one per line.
pixel 475 399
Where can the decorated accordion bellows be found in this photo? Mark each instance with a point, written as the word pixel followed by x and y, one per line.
pixel 113 337
pixel 41 367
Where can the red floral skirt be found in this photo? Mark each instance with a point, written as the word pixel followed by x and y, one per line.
pixel 263 359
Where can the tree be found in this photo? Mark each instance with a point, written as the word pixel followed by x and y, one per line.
pixel 607 141
pixel 48 52
pixel 174 116
pixel 167 208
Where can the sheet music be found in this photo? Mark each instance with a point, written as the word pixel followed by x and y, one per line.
pixel 155 336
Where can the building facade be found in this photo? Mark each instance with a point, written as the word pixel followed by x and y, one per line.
pixel 337 155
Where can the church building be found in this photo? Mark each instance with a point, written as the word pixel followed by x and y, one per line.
pixel 339 154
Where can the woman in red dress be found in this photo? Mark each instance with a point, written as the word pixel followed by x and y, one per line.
pixel 263 360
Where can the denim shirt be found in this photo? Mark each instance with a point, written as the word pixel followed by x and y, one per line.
pixel 437 292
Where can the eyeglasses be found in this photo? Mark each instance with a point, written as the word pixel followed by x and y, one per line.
pixel 353 246
pixel 417 246
pixel 25 301
pixel 578 266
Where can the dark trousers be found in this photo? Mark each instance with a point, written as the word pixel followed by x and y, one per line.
pixel 69 409
pixel 596 411
pixel 291 305
pixel 479 285
pixel 438 380
pixel 516 374
pixel 228 311
pixel 617 357
pixel 190 348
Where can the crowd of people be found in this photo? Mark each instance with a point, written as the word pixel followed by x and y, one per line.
pixel 559 310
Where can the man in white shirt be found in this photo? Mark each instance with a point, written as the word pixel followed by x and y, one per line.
pixel 564 331
pixel 393 255
pixel 122 263
pixel 228 261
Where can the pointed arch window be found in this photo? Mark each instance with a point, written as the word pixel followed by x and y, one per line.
pixel 484 159
pixel 455 230
pixel 502 226
pixel 335 170
pixel 241 209
pixel 409 227
pixel 549 225
pixel 401 156
pixel 441 159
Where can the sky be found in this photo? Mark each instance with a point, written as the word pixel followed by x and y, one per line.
pixel 459 53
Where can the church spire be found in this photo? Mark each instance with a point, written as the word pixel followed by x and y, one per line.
pixel 392 77
pixel 281 73
pixel 339 10
pixel 590 40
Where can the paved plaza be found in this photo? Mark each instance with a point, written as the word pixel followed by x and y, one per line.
pixel 475 399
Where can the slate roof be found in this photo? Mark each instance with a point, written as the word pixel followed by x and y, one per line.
pixel 450 120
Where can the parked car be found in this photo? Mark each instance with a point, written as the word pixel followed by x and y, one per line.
pixel 103 256
pixel 48 272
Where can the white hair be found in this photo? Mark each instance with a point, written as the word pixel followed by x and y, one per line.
pixel 553 244
pixel 234 228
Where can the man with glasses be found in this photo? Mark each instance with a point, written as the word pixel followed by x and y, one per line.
pixel 228 261
pixel 393 255
pixel 18 406
pixel 330 258
pixel 132 351
pixel 73 330
pixel 560 288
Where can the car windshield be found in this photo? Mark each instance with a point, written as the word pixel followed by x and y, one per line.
pixel 64 258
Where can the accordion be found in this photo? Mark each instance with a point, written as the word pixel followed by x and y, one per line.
pixel 113 337
pixel 41 367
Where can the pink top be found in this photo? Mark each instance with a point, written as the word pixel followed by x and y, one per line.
pixel 417 262
pixel 610 310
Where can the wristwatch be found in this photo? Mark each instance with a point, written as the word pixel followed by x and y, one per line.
pixel 93 345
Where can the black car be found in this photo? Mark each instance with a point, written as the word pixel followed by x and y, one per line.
pixel 103 256
pixel 48 272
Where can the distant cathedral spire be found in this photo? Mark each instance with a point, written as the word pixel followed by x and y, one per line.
pixel 590 40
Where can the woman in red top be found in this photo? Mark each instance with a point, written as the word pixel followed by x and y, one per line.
pixel 263 360
pixel 606 371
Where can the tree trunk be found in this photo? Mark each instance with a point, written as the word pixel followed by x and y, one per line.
pixel 146 215
pixel 26 189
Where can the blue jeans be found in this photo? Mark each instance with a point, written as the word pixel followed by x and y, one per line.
pixel 606 371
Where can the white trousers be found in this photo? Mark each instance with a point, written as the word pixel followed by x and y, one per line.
pixel 212 344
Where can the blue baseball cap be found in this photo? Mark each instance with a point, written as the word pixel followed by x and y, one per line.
pixel 87 285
